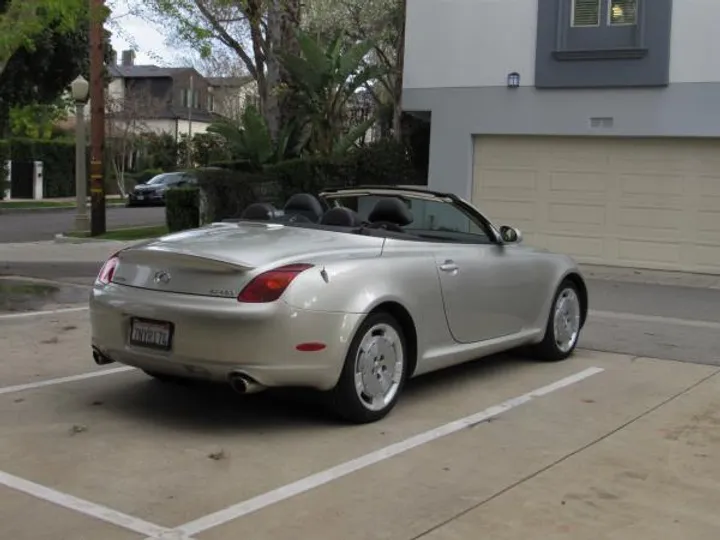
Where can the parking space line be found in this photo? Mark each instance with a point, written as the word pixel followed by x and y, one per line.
pixel 86 507
pixel 28 314
pixel 635 317
pixel 63 380
pixel 324 477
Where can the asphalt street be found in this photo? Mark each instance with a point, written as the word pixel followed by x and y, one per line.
pixel 44 225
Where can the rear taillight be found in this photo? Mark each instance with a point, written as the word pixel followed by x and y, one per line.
pixel 269 286
pixel 108 270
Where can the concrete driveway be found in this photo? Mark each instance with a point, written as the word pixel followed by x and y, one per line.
pixel 600 446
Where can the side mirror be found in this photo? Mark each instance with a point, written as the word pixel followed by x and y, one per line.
pixel 510 235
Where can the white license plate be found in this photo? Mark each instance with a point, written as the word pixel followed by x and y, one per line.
pixel 152 334
pixel 140 197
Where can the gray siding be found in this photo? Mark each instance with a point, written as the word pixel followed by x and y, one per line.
pixel 603 56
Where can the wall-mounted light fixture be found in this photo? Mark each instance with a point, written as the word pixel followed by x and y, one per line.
pixel 513 79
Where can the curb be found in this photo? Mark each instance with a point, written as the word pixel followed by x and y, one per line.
pixel 49 209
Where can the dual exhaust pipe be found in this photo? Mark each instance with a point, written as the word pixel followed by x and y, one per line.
pixel 239 382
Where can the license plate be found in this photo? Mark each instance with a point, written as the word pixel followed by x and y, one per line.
pixel 151 334
pixel 140 197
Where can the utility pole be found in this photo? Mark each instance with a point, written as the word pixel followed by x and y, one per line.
pixel 97 118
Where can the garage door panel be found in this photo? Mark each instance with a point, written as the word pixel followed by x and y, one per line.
pixel 646 251
pixel 652 203
pixel 575 183
pixel 588 248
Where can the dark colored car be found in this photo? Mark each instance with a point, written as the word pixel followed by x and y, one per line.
pixel 153 191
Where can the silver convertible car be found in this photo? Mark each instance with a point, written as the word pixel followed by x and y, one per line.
pixel 350 293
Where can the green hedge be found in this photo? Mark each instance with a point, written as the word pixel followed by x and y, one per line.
pixel 182 208
pixel 58 159
pixel 230 189
pixel 4 158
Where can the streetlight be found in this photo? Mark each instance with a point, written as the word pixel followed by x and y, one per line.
pixel 79 89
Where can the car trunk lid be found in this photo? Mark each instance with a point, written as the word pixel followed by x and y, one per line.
pixel 219 260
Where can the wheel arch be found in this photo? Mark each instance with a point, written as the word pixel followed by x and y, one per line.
pixel 576 279
pixel 401 314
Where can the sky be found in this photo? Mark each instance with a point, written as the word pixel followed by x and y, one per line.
pixel 131 32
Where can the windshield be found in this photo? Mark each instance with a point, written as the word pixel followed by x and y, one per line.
pixel 165 178
pixel 432 218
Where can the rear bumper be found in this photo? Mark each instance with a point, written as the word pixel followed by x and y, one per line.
pixel 216 336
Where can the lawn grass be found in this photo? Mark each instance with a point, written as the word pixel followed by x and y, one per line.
pixel 131 233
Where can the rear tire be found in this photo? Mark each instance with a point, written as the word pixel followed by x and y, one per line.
pixel 374 372
pixel 563 327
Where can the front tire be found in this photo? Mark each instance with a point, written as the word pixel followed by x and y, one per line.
pixel 374 372
pixel 564 324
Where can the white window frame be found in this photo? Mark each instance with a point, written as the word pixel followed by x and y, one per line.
pixel 609 14
pixel 572 16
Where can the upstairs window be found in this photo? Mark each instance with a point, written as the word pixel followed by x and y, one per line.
pixel 585 13
pixel 622 12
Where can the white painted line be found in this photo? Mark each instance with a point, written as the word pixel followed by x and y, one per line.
pixel 634 317
pixel 29 314
pixel 310 482
pixel 84 507
pixel 63 380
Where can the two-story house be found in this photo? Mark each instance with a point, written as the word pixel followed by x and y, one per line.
pixel 174 100
pixel 592 125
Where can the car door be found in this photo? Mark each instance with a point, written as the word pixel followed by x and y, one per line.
pixel 488 289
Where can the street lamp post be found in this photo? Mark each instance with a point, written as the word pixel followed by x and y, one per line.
pixel 79 90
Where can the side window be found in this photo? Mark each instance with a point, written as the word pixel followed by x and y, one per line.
pixel 446 219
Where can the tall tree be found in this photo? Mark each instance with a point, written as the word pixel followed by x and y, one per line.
pixel 254 30
pixel 382 22
pixel 22 21
pixel 41 68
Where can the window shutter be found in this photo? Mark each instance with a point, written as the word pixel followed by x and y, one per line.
pixel 623 12
pixel 586 13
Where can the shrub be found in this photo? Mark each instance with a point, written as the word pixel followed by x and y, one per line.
pixel 58 159
pixel 182 208
pixel 225 193
pixel 4 158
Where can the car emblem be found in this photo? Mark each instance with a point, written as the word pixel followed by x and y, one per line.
pixel 162 277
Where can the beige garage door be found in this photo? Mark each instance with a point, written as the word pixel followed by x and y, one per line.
pixel 646 203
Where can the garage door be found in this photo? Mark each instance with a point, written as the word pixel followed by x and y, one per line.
pixel 645 203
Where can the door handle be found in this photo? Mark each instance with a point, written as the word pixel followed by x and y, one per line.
pixel 449 266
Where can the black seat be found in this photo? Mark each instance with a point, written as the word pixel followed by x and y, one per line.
pixel 305 205
pixel 341 217
pixel 259 212
pixel 390 213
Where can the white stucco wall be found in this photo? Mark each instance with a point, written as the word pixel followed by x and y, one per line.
pixel 695 41
pixel 467 43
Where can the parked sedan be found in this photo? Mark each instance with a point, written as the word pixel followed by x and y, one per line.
pixel 350 294
pixel 153 191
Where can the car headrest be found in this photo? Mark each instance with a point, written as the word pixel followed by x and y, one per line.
pixel 259 211
pixel 305 205
pixel 391 210
pixel 341 217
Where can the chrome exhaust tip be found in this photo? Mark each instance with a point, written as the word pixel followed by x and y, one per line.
pixel 243 384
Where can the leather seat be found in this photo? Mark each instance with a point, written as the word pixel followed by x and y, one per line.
pixel 259 212
pixel 305 205
pixel 392 213
pixel 341 217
